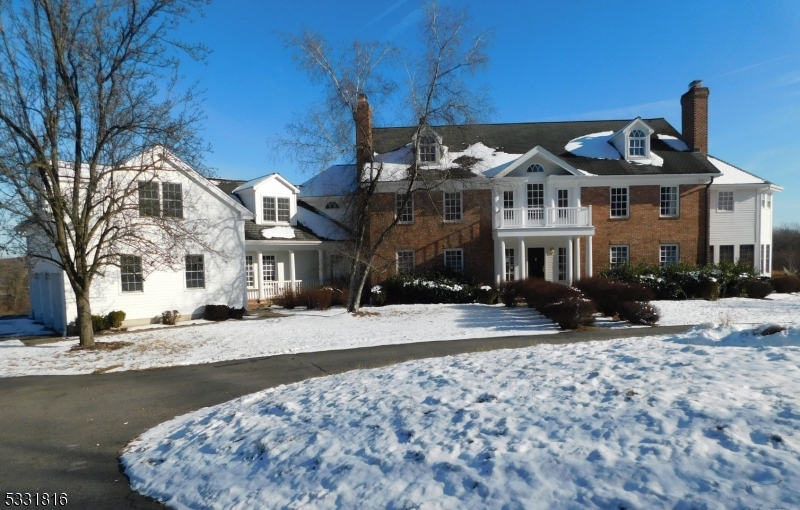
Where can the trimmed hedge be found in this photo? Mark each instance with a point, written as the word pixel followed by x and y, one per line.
pixel 639 312
pixel 757 289
pixel 413 289
pixel 115 319
pixel 509 293
pixel 609 295
pixel 98 323
pixel 571 313
pixel 216 313
pixel 563 305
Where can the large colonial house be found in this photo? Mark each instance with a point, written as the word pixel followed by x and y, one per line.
pixel 552 200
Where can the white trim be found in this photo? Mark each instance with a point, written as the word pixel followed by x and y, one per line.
pixel 444 258
pixel 677 202
pixel 460 205
pixel 627 202
pixel 546 154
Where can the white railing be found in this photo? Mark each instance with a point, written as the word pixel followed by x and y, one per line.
pixel 272 289
pixel 546 217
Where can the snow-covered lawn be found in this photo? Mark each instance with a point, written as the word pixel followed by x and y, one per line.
pixel 710 420
pixel 302 331
pixel 777 308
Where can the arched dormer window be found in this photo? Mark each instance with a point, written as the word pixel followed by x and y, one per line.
pixel 637 144
pixel 536 167
pixel 428 149
pixel 331 205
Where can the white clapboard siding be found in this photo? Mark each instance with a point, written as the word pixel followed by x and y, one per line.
pixel 736 227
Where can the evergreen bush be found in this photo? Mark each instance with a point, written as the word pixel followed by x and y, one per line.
pixel 115 319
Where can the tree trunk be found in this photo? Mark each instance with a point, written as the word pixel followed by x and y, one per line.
pixel 85 319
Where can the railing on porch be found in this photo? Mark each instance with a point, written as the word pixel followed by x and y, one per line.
pixel 544 217
pixel 273 288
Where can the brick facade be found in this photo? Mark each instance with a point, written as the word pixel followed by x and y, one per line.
pixel 429 235
pixel 643 230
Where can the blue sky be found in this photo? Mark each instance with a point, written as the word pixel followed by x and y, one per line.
pixel 571 60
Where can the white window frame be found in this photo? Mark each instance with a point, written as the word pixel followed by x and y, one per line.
pixel 269 264
pixel 627 202
pixel 137 276
pixel 614 258
pixel 661 202
pixel 187 271
pixel 249 272
pixel 663 252
pixel 535 168
pixel 402 267
pixel 561 264
pixel 725 205
pixel 449 212
pixel 509 264
pixel 634 144
pixel 428 140
pixel 451 255
pixel 729 248
pixel 409 210
pixel 276 210
pixel 330 205
pixel 174 197
pixel 748 247
pixel 766 262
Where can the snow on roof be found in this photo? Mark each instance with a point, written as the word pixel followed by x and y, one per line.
pixel 598 146
pixel 335 180
pixel 321 225
pixel 676 143
pixel 278 233
pixel 733 175
pixel 478 158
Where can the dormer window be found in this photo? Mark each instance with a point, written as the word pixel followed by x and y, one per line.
pixel 637 144
pixel 428 149
pixel 276 209
pixel 331 205
pixel 536 167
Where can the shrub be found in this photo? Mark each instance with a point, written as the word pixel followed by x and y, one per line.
pixel 786 284
pixel 639 312
pixel 571 313
pixel 114 319
pixel 757 289
pixel 486 295
pixel 170 318
pixel 609 295
pixel 98 323
pixel 378 295
pixel 414 289
pixel 287 299
pixel 539 293
pixel 509 293
pixel 216 312
pixel 320 299
pixel 236 313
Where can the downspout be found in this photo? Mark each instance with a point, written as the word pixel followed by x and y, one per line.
pixel 708 220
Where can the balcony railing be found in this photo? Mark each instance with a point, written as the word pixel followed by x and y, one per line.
pixel 546 217
pixel 273 289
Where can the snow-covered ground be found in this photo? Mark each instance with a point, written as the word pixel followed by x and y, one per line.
pixel 302 331
pixel 11 328
pixel 778 308
pixel 707 420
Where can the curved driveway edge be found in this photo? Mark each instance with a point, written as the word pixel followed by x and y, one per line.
pixel 64 433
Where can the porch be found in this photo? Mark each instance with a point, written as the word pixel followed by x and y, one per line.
pixel 271 272
pixel 555 258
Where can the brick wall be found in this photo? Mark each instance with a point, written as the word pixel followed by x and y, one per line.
pixel 644 230
pixel 429 235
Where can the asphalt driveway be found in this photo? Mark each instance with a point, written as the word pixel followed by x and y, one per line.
pixel 64 433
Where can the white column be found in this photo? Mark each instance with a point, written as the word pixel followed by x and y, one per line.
pixel 570 261
pixel 523 267
pixel 291 268
pixel 320 263
pixel 589 256
pixel 260 275
pixel 502 261
pixel 577 258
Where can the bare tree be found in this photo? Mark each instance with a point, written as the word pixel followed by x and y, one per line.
pixel 786 247
pixel 87 89
pixel 438 92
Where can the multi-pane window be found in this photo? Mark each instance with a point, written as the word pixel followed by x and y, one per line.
pixel 510 264
pixel 130 268
pixel 637 143
pixel 452 206
pixel 669 254
pixel 726 253
pixel 268 268
pixel 405 261
pixel 766 201
pixel 427 149
pixel 766 262
pixel 173 199
pixel 332 205
pixel 747 252
pixel 535 201
pixel 248 268
pixel 562 264
pixel 149 200
pixel 563 198
pixel 619 202
pixel 536 167
pixel 620 255
pixel 276 209
pixel 725 201
pixel 508 205
pixel 195 272
pixel 669 201
pixel 404 213
pixel 454 260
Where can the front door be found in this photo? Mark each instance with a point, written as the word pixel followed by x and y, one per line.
pixel 536 262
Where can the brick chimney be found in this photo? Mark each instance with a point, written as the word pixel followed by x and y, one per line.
pixel 363 120
pixel 694 106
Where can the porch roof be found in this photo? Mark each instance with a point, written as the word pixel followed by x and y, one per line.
pixel 252 232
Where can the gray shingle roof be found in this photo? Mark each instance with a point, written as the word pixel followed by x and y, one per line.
pixel 554 136
pixel 252 232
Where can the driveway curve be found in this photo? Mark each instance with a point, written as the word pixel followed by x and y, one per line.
pixel 64 433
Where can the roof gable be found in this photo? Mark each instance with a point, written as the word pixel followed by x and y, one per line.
pixel 260 181
pixel 538 150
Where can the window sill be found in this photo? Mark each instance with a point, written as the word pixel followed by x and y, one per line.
pixel 193 289
pixel 677 217
pixel 453 221
pixel 619 218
